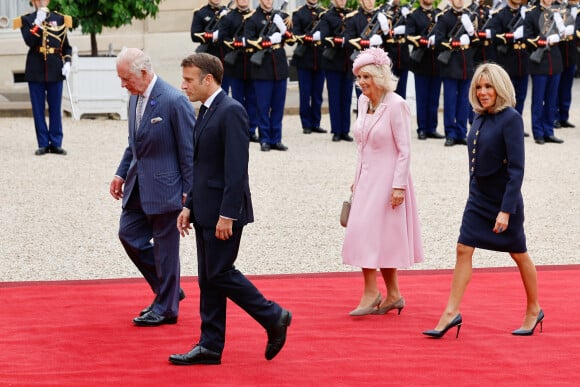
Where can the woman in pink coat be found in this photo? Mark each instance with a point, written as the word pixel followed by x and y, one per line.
pixel 383 230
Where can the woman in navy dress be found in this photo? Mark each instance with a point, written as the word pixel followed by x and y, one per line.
pixel 494 214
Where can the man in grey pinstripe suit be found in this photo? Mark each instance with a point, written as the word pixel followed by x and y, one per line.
pixel 153 179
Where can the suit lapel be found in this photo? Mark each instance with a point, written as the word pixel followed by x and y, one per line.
pixel 151 106
pixel 208 115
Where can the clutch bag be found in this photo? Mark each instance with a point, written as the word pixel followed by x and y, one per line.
pixel 345 211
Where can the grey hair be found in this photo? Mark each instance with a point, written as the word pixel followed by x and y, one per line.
pixel 137 59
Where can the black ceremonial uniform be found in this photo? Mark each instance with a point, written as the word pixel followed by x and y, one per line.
pixel 307 60
pixel 397 48
pixel 425 67
pixel 48 51
pixel 338 72
pixel 356 23
pixel 237 63
pixel 569 50
pixel 484 51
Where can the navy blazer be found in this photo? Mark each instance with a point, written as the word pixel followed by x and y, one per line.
pixel 221 154
pixel 160 152
pixel 496 156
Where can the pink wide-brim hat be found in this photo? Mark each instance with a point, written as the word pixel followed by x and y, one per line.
pixel 371 55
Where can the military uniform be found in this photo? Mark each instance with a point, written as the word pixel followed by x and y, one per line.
pixel 338 71
pixel 205 22
pixel 568 48
pixel 425 67
pixel 270 76
pixel 456 74
pixel 485 51
pixel 511 53
pixel 397 48
pixel 307 60
pixel 237 64
pixel 545 70
pixel 48 51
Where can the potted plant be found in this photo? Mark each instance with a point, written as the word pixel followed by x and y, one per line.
pixel 94 85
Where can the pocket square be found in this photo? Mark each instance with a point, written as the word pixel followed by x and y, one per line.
pixel 156 120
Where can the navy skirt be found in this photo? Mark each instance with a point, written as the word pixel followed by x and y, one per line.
pixel 483 205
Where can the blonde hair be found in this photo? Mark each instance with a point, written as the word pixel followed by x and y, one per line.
pixel 500 81
pixel 382 76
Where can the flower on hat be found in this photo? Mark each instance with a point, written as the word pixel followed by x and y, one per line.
pixel 371 55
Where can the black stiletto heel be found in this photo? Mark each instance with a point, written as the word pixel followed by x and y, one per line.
pixel 456 322
pixel 529 332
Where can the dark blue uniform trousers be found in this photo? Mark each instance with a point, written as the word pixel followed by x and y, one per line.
pixel 544 99
pixel 402 82
pixel 270 97
pixel 521 87
pixel 455 107
pixel 565 93
pixel 219 280
pixel 427 91
pixel 339 87
pixel 243 92
pixel 40 94
pixel 310 86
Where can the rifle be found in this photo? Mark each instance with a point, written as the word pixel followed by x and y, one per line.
pixel 514 23
pixel 456 32
pixel 329 52
pixel 418 53
pixel 210 27
pixel 232 56
pixel 301 48
pixel 371 29
pixel 538 55
pixel 258 57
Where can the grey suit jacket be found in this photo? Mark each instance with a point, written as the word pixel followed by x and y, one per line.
pixel 159 156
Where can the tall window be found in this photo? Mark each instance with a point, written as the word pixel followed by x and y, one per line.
pixel 9 9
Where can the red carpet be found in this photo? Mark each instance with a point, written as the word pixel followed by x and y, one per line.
pixel 79 333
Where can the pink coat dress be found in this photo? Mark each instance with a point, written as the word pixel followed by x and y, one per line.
pixel 378 236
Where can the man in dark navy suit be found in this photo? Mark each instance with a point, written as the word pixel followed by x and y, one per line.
pixel 219 206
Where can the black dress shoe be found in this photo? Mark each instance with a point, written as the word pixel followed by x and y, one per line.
pixel 277 334
pixel 57 150
pixel 318 130
pixel 539 141
pixel 148 309
pixel 254 138
pixel 336 137
pixel 553 139
pixel 279 146
pixel 422 135
pixel 152 319
pixel 435 135
pixel 461 142
pixel 449 142
pixel 526 134
pixel 557 124
pixel 265 147
pixel 306 130
pixel 346 137
pixel 567 124
pixel 198 355
pixel 41 151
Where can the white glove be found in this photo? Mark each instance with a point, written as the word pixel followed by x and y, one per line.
pixel 488 33
pixel 574 12
pixel 316 36
pixel 553 39
pixel 375 40
pixel 399 30
pixel 280 24
pixel 215 35
pixel 404 11
pixel 223 13
pixel 559 22
pixel 431 41
pixel 464 40
pixel 519 33
pixel 523 11
pixel 384 22
pixel 569 31
pixel 40 17
pixel 467 24
pixel 276 38
pixel 66 69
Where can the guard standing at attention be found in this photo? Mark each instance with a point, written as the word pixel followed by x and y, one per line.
pixel 307 60
pixel 338 70
pixel 205 31
pixel 237 61
pixel 267 31
pixel 568 48
pixel 47 64
pixel 397 47
pixel 425 67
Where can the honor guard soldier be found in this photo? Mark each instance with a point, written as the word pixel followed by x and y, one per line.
pixel 267 31
pixel 454 35
pixel 338 69
pixel 47 65
pixel 425 67
pixel 307 60
pixel 568 48
pixel 542 29
pixel 396 46
pixel 485 51
pixel 237 61
pixel 205 31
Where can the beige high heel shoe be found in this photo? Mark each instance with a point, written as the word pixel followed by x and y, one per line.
pixel 399 304
pixel 367 309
